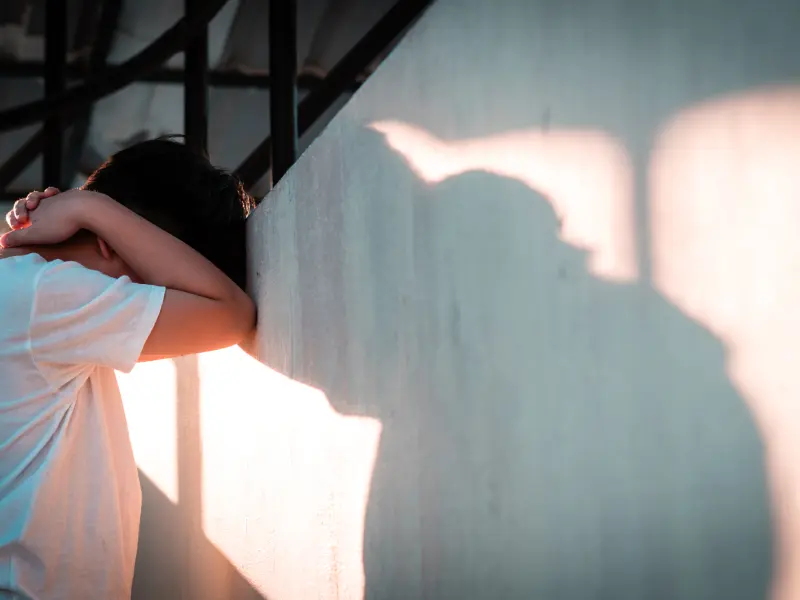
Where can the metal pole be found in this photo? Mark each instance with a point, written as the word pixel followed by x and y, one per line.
pixel 339 80
pixel 112 79
pixel 283 94
pixel 195 85
pixel 96 31
pixel 55 52
pixel 70 103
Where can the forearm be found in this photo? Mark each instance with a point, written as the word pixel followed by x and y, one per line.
pixel 156 256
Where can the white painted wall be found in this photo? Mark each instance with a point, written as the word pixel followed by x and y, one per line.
pixel 530 302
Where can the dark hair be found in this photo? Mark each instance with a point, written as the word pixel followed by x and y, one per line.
pixel 180 191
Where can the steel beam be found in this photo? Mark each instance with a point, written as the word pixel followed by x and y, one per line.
pixel 104 27
pixel 283 95
pixel 112 79
pixel 97 32
pixel 55 80
pixel 195 85
pixel 341 78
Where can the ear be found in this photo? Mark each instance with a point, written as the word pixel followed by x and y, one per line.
pixel 105 250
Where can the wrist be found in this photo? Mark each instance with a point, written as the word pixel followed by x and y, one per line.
pixel 89 208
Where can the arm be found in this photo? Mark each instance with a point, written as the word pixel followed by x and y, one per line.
pixel 202 309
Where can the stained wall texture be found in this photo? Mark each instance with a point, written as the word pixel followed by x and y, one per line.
pixel 527 327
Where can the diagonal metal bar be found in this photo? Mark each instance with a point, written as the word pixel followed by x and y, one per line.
pixel 402 15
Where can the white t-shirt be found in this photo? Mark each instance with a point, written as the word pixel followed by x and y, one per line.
pixel 69 489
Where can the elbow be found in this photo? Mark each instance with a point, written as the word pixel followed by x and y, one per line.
pixel 246 318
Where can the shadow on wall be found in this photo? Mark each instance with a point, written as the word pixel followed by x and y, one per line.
pixel 162 568
pixel 546 434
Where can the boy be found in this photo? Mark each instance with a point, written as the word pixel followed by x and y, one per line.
pixel 89 286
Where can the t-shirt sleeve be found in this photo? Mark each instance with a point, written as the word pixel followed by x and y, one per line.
pixel 82 317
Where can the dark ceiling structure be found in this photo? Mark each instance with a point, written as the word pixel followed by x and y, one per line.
pixel 251 81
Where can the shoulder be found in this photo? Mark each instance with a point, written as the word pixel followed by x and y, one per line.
pixel 31 270
pixel 18 275
pixel 67 281
pixel 18 279
pixel 20 264
pixel 66 291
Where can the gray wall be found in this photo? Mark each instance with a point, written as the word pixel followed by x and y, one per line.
pixel 528 311
pixel 548 432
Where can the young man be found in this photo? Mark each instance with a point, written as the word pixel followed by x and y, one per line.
pixel 88 286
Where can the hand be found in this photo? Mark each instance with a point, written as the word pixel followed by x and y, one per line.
pixel 18 217
pixel 53 221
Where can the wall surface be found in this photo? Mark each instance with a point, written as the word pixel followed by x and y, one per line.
pixel 529 310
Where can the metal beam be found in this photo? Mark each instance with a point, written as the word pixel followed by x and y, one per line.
pixel 283 95
pixel 27 153
pixel 228 78
pixel 195 86
pixel 112 79
pixel 68 105
pixel 97 32
pixel 341 78
pixel 55 51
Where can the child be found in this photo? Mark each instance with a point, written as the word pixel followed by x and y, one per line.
pixel 90 286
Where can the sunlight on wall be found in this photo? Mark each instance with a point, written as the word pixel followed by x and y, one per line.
pixel 725 206
pixel 586 175
pixel 148 394
pixel 285 478
pixel 283 468
pixel 725 194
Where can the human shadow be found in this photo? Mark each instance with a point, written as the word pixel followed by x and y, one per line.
pixel 546 434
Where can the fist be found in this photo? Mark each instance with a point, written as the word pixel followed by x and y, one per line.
pixel 19 216
pixel 54 220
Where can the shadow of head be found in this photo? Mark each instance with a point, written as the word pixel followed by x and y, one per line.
pixel 545 433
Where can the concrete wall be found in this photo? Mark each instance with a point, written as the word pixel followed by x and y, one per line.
pixel 529 310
